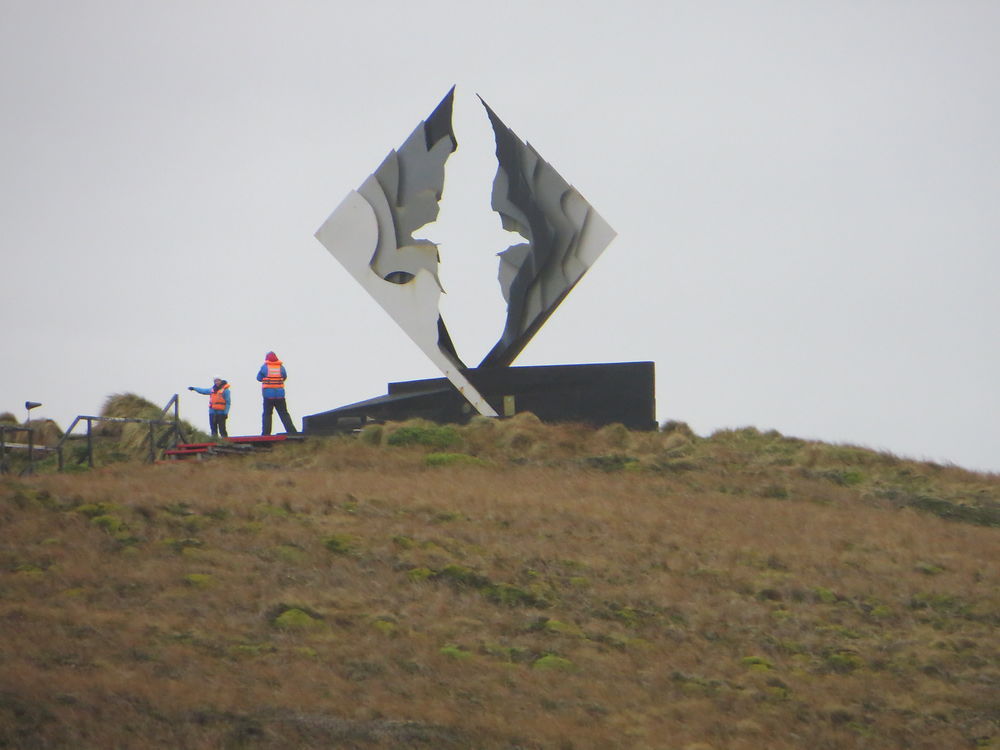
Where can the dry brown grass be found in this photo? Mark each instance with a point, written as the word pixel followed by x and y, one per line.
pixel 573 589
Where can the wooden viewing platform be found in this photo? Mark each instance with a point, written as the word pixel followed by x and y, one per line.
pixel 239 445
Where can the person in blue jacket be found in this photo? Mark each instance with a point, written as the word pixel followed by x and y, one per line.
pixel 272 375
pixel 219 400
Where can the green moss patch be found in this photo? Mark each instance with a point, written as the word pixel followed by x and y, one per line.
pixel 385 627
pixel 295 619
pixel 842 661
pixel 179 545
pixel 92 510
pixel 455 652
pixel 462 577
pixel 509 595
pixel 452 459
pixel 757 663
pixel 340 544
pixel 431 436
pixel 553 663
pixel 610 462
pixel 108 523
pixel 557 627
pixel 420 574
pixel 250 650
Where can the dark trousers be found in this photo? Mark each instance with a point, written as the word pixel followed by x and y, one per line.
pixel 270 405
pixel 217 421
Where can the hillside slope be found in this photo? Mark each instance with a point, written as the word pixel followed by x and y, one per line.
pixel 504 585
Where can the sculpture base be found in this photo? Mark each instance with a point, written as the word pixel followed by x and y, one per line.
pixel 595 394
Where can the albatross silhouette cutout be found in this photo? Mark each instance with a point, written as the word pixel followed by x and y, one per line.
pixel 371 234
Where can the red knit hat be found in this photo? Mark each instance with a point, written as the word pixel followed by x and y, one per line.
pixel 271 357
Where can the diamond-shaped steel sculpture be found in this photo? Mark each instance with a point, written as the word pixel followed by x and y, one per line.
pixel 371 234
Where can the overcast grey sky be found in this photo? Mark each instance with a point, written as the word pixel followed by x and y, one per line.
pixel 805 195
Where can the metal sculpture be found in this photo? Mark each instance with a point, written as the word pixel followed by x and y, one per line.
pixel 371 234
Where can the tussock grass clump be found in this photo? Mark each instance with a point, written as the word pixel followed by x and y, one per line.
pixel 133 406
pixel 672 426
pixel 45 432
pixel 345 593
pixel 127 406
pixel 371 434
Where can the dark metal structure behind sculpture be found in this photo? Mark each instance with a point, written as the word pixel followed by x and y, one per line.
pixel 596 394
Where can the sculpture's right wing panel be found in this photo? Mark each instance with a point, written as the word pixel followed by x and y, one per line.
pixel 564 237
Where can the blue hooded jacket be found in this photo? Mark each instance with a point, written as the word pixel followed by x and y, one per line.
pixel 268 391
pixel 208 392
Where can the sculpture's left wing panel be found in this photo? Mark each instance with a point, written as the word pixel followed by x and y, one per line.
pixel 371 234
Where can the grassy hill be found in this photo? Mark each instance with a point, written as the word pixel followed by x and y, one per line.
pixel 504 585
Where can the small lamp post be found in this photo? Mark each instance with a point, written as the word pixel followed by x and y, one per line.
pixel 29 405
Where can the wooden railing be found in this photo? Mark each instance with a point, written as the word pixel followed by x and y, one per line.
pixel 29 446
pixel 174 430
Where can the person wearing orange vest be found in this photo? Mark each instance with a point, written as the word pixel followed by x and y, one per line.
pixel 272 375
pixel 218 405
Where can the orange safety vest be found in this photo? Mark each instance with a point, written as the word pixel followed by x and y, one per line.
pixel 217 399
pixel 273 378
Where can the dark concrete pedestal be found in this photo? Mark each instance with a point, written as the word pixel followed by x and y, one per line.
pixel 596 394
